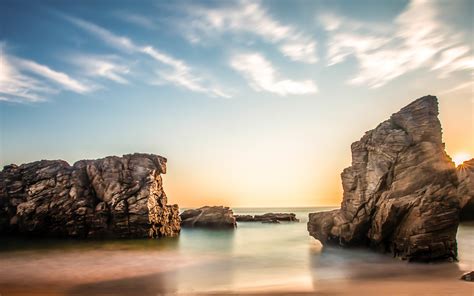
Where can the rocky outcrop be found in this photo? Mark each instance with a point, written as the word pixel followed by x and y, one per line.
pixel 110 197
pixel 268 218
pixel 209 217
pixel 400 191
pixel 465 173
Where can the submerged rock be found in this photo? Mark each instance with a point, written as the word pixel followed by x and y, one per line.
pixel 209 217
pixel 109 197
pixel 268 218
pixel 469 276
pixel 465 173
pixel 400 192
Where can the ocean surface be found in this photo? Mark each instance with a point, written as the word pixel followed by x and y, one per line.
pixel 254 257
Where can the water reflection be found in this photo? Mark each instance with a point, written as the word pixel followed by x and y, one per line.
pixel 217 272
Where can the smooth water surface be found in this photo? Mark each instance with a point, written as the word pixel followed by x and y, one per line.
pixel 253 257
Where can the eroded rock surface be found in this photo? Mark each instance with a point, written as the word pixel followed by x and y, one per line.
pixel 400 192
pixel 267 218
pixel 109 197
pixel 465 174
pixel 209 217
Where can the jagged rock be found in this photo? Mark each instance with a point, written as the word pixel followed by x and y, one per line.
pixel 267 218
pixel 400 191
pixel 109 197
pixel 209 217
pixel 465 173
pixel 244 218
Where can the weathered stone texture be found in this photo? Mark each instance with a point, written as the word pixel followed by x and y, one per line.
pixel 209 217
pixel 109 197
pixel 400 193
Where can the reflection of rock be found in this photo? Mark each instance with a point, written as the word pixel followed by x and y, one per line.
pixel 469 276
pixel 465 174
pixel 113 196
pixel 209 217
pixel 273 221
pixel 399 192
pixel 267 218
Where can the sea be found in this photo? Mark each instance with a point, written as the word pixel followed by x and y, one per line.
pixel 253 258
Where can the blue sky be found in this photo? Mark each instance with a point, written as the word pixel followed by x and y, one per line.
pixel 252 102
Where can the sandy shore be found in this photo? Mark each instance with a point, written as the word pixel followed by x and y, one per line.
pixel 114 273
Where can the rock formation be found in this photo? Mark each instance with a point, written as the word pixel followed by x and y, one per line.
pixel 209 217
pixel 267 218
pixel 110 197
pixel 400 191
pixel 465 174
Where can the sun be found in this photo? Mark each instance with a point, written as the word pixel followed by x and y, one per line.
pixel 459 158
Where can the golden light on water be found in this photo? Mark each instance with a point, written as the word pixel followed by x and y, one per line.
pixel 459 158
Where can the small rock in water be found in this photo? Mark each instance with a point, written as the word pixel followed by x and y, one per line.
pixel 209 217
pixel 268 218
pixel 469 276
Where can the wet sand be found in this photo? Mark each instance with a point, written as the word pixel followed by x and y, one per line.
pixel 255 259
pixel 135 272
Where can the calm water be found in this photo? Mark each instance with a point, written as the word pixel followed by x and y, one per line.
pixel 254 257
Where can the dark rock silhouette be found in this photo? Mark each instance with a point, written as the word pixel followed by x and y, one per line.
pixel 110 197
pixel 267 218
pixel 400 192
pixel 209 217
pixel 465 173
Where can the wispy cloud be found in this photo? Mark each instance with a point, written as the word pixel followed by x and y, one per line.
pixel 251 18
pixel 179 73
pixel 119 42
pixel 262 76
pixel 418 39
pixel 61 79
pixel 110 67
pixel 23 80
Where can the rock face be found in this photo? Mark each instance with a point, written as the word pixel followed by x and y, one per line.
pixel 209 217
pixel 465 174
pixel 400 192
pixel 267 218
pixel 110 197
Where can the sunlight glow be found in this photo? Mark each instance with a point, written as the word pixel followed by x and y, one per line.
pixel 459 158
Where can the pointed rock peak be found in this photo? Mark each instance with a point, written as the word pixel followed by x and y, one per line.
pixel 420 120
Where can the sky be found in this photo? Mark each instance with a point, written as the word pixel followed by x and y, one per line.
pixel 254 103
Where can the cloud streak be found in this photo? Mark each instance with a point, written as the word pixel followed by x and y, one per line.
pixel 417 40
pixel 250 18
pixel 23 80
pixel 103 66
pixel 263 77
pixel 178 72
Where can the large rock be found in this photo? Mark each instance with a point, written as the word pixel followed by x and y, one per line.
pixel 109 197
pixel 400 191
pixel 209 217
pixel 465 173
